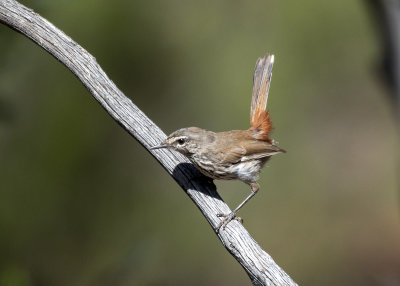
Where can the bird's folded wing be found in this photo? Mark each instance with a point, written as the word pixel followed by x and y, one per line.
pixel 250 151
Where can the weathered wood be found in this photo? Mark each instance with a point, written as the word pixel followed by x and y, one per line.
pixel 391 11
pixel 260 267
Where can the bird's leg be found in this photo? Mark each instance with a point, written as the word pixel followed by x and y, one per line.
pixel 228 217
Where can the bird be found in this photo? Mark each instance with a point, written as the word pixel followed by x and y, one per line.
pixel 236 154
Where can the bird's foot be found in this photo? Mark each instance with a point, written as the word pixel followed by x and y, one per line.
pixel 227 219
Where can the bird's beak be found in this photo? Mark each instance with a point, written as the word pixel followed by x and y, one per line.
pixel 162 145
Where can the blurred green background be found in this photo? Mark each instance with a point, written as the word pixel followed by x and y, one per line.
pixel 82 203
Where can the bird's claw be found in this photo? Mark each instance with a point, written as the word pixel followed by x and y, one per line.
pixel 227 219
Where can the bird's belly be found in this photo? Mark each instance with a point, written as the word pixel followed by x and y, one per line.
pixel 247 171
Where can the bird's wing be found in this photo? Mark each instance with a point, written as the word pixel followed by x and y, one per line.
pixel 249 151
pixel 255 150
pixel 233 155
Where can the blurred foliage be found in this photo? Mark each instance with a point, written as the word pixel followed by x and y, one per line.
pixel 82 203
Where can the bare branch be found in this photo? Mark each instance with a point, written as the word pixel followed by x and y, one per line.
pixel 260 267
pixel 391 11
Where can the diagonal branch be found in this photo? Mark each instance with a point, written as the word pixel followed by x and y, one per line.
pixel 260 267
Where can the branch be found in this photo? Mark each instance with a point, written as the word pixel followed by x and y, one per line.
pixel 391 11
pixel 386 16
pixel 260 267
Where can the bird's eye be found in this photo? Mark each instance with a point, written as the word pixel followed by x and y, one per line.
pixel 181 141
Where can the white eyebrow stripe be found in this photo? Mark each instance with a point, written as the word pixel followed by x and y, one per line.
pixel 181 137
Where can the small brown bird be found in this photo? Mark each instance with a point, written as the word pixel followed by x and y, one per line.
pixel 236 154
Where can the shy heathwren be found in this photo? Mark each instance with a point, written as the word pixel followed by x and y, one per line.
pixel 237 154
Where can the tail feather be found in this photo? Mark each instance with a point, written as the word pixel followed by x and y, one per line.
pixel 260 121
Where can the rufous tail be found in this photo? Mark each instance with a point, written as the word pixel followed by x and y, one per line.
pixel 260 122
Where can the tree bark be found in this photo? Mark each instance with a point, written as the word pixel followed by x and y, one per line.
pixel 260 267
pixel 391 10
pixel 386 17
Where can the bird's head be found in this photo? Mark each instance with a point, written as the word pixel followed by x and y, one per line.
pixel 186 140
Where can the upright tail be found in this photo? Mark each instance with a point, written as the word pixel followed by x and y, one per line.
pixel 260 121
